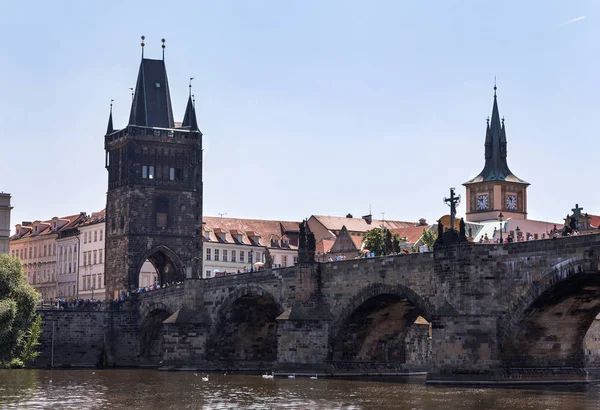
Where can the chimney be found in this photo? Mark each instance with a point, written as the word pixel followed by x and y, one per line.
pixel 349 216
pixel 368 219
pixel 422 222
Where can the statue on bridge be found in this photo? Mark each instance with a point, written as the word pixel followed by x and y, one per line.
pixel 302 257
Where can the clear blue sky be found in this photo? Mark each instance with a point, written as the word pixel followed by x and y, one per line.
pixel 308 107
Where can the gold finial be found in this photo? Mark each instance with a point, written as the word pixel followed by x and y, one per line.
pixel 163 47
pixel 143 38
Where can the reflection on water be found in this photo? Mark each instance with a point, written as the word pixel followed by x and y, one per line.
pixel 149 389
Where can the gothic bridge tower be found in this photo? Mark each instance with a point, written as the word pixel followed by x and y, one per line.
pixel 154 198
pixel 496 189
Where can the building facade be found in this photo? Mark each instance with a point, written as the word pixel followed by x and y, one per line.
pixel 154 198
pixel 35 244
pixel 5 209
pixel 496 189
pixel 235 245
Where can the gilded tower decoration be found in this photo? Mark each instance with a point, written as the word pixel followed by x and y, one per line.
pixel 496 189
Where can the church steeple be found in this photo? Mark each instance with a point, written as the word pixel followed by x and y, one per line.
pixel 496 166
pixel 189 119
pixel 496 189
pixel 151 106
pixel 109 128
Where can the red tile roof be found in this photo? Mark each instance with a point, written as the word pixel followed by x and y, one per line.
pixel 335 223
pixel 261 231
pixel 412 234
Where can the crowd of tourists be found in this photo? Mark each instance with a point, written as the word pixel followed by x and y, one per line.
pixel 83 304
pixel 155 286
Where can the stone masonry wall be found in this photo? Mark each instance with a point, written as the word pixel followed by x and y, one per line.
pixel 88 339
pixel 418 348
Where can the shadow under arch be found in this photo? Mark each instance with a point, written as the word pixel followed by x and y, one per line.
pixel 168 265
pixel 373 325
pixel 546 327
pixel 151 334
pixel 245 328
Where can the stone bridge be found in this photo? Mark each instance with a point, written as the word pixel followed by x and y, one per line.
pixel 464 313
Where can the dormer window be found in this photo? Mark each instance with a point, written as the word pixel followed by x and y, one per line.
pixel 275 243
pixel 207 235
pixel 286 243
pixel 223 237
pixel 238 238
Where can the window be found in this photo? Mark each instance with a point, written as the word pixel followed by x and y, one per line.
pixel 286 243
pixel 45 246
pixel 100 260
pixel 151 172
pixel 208 254
pixel 233 255
pixel 95 236
pixel 284 260
pixel 100 234
pixel 216 254
pixel 144 172
pixel 85 237
pixel 208 274
pixel 35 252
pixel 295 260
pixel 224 255
pixel 95 257
pixel 241 256
pixel 162 212
pixel 258 257
pixel 84 258
pixel 172 174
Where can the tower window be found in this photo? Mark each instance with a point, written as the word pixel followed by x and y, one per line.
pixel 162 212
pixel 151 172
pixel 144 172
pixel 157 85
pixel 172 174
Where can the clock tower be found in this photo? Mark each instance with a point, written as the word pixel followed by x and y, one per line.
pixel 496 189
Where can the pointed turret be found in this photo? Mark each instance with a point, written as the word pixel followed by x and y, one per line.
pixel 496 166
pixel 151 106
pixel 189 119
pixel 109 128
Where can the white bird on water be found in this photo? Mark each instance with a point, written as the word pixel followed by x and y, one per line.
pixel 205 379
pixel 292 376
pixel 268 376
pixel 314 377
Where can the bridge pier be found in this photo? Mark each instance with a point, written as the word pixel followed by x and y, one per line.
pixel 302 339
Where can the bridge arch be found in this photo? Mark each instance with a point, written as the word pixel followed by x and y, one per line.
pixel 546 327
pixel 168 265
pixel 245 328
pixel 363 330
pixel 151 332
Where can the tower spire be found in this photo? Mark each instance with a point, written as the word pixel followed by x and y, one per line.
pixel 496 166
pixel 151 105
pixel 163 47
pixel 189 119
pixel 109 128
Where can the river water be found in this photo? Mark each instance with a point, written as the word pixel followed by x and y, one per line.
pixel 151 389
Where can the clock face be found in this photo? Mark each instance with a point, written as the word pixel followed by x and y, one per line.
pixel 482 202
pixel 511 202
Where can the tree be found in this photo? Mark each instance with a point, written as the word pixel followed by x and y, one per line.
pixel 428 238
pixel 17 309
pixel 374 241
